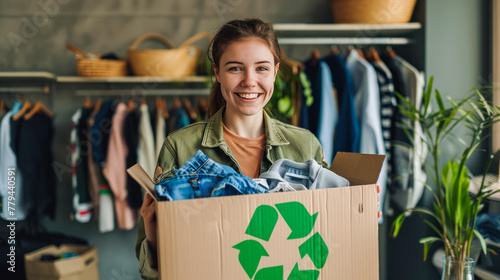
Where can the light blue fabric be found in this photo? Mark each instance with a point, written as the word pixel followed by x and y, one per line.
pixel 16 107
pixel 182 118
pixel 8 161
pixel 200 176
pixel 488 225
pixel 308 174
pixel 367 103
pixel 329 114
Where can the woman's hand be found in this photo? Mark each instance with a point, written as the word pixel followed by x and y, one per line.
pixel 148 212
pixel 378 201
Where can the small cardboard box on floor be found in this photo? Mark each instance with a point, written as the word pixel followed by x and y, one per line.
pixel 323 234
pixel 81 267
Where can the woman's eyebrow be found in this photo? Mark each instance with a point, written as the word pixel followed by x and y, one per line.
pixel 230 62
pixel 237 62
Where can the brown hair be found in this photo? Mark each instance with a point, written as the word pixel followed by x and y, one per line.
pixel 234 31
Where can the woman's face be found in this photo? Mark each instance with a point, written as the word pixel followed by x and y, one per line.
pixel 246 73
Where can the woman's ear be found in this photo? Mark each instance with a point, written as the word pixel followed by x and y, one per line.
pixel 216 72
pixel 276 68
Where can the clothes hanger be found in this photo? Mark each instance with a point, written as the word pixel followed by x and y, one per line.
pixel 372 54
pixel 296 66
pixel 315 55
pixel 97 106
pixel 38 108
pixel 390 52
pixel 164 107
pixel 176 104
pixel 360 53
pixel 24 109
pixel 131 105
pixel 334 50
pixel 87 103
pixel 189 109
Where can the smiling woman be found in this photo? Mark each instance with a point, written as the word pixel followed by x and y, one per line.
pixel 240 134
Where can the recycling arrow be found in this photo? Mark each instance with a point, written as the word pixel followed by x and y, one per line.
pixel 297 274
pixel 270 273
pixel 251 252
pixel 263 221
pixel 297 218
pixel 261 226
pixel 317 250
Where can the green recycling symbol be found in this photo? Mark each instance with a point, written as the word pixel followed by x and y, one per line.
pixel 261 226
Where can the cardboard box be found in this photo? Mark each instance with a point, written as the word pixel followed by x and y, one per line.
pixel 82 267
pixel 318 234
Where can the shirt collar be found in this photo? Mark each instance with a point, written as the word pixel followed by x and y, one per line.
pixel 213 135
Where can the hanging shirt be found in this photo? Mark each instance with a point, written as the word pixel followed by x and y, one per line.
pixel 34 160
pixel 82 169
pixel 100 130
pixel 94 172
pixel 247 151
pixel 82 207
pixel 115 170
pixel 388 107
pixel 329 114
pixel 8 161
pixel 410 197
pixel 311 69
pixel 146 148
pixel 131 136
pixel 402 154
pixel 160 130
pixel 367 101
pixel 106 211
pixel 347 131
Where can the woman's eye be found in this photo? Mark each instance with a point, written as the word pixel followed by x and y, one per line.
pixel 235 68
pixel 262 68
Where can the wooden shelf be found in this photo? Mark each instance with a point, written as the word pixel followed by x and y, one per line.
pixel 132 79
pixel 28 75
pixel 35 75
pixel 345 30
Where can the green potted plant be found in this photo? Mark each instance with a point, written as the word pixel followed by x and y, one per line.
pixel 454 209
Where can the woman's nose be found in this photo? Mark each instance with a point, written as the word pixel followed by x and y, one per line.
pixel 249 79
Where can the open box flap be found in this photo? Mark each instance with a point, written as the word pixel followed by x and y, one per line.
pixel 359 169
pixel 142 178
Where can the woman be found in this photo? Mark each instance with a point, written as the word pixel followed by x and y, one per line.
pixel 245 58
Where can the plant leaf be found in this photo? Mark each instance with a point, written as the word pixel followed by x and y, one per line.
pixel 427 95
pixel 427 241
pixel 481 240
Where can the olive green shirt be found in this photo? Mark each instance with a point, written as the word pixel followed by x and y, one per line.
pixel 283 141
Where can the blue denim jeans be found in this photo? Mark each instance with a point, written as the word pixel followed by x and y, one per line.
pixel 202 177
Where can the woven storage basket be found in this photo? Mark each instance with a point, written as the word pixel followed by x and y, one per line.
pixel 101 67
pixel 372 11
pixel 174 62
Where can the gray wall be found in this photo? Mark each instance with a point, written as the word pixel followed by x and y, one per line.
pixel 33 38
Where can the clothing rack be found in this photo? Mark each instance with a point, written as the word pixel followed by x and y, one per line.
pixel 45 89
pixel 345 41
pixel 141 93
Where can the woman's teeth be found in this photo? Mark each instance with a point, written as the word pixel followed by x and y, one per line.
pixel 248 95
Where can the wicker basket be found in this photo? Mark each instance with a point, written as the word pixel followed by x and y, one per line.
pixel 174 62
pixel 372 11
pixel 101 67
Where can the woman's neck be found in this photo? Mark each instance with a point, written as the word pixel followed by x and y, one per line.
pixel 244 126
